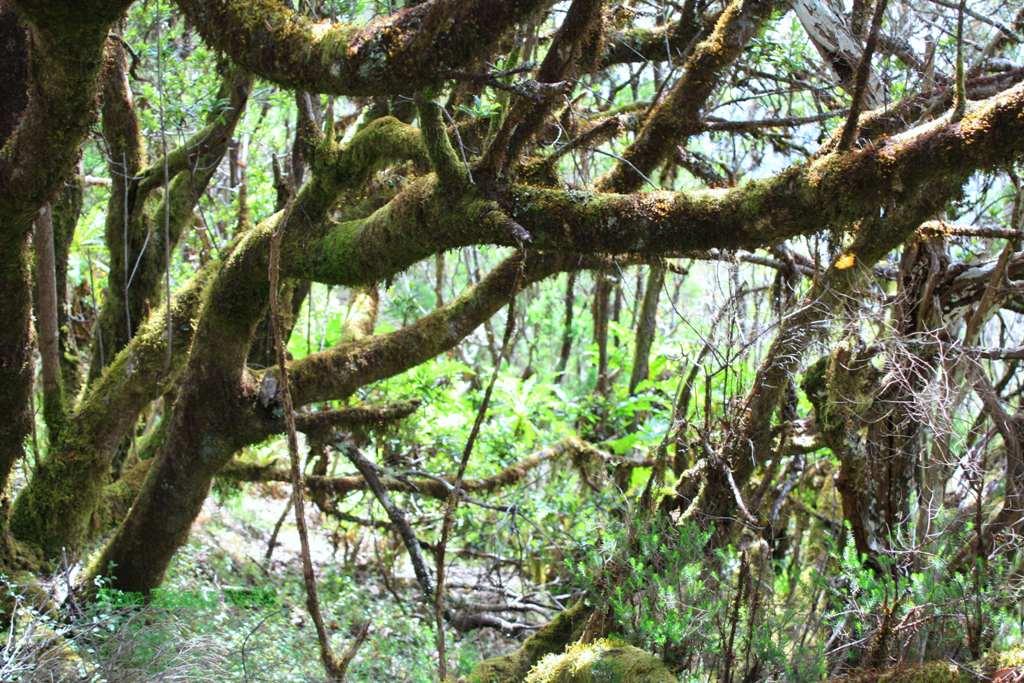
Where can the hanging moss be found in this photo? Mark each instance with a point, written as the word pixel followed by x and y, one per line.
pixel 603 661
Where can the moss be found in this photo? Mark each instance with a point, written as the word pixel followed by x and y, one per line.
pixel 603 661
pixel 401 53
pixel 551 639
pixel 453 173
pixel 994 663
pixel 16 364
pixel 54 509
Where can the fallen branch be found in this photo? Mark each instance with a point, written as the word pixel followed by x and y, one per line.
pixel 431 487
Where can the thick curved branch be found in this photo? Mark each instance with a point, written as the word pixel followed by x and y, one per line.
pixel 406 51
pixel 338 372
pixel 354 416
pixel 835 191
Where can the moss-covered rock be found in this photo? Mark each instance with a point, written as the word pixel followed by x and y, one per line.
pixel 603 661
pixel 551 639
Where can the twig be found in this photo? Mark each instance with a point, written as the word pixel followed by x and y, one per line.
pixel 335 666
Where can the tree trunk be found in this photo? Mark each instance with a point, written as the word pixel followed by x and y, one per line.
pixel 647 327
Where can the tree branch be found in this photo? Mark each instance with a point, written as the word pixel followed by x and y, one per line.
pixel 403 52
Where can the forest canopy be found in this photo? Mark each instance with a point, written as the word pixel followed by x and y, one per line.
pixel 511 340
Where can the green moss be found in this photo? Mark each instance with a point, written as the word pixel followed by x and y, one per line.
pixel 603 661
pixel 450 169
pixel 551 639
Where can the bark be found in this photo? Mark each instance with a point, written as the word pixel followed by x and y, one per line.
pixel 669 43
pixel 15 360
pixel 14 65
pixel 35 159
pixel 47 321
pixel 1009 519
pixel 838 45
pixel 580 32
pixel 66 55
pixel 569 304
pixel 261 354
pixel 601 314
pixel 15 351
pixel 67 208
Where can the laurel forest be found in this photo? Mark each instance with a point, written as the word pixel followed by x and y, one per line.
pixel 511 340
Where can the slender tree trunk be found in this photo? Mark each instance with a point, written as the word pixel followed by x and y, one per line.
pixel 646 327
pixel 601 312
pixel 47 310
pixel 566 350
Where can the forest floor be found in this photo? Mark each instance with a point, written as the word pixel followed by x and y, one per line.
pixel 225 613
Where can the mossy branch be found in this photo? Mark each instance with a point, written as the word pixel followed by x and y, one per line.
pixel 677 116
pixel 408 50
pixel 452 171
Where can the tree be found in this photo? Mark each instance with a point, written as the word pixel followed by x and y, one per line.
pixel 598 157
